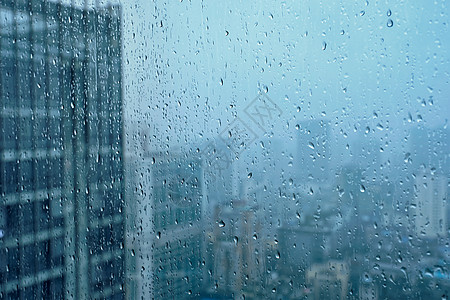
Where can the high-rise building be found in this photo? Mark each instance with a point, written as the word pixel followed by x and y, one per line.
pixel 61 168
pixel 429 163
pixel 430 200
pixel 167 231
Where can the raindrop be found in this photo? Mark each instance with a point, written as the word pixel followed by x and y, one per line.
pixel 311 145
pixel 362 188
pixel 221 224
pixel 324 46
pixel 390 23
pixel 407 157
pixel 250 175
pixel 410 118
pixel 389 13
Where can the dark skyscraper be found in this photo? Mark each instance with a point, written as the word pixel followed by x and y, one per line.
pixel 61 167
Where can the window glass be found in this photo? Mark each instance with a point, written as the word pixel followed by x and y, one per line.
pixel 224 149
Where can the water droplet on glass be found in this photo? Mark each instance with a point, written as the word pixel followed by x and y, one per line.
pixel 389 13
pixel 390 23
pixel 221 223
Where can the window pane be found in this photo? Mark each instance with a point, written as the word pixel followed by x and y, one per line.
pixel 224 149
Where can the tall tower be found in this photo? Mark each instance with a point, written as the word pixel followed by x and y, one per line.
pixel 61 167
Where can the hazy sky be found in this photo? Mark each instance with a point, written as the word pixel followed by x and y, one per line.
pixel 191 66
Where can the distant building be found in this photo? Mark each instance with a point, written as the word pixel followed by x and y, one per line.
pixel 329 280
pixel 302 246
pixel 429 149
pixel 221 176
pixel 313 152
pixel 366 155
pixel 431 204
pixel 357 194
pixel 166 236
pixel 236 252
pixel 61 164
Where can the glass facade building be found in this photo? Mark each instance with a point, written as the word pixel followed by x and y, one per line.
pixel 61 167
pixel 167 221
